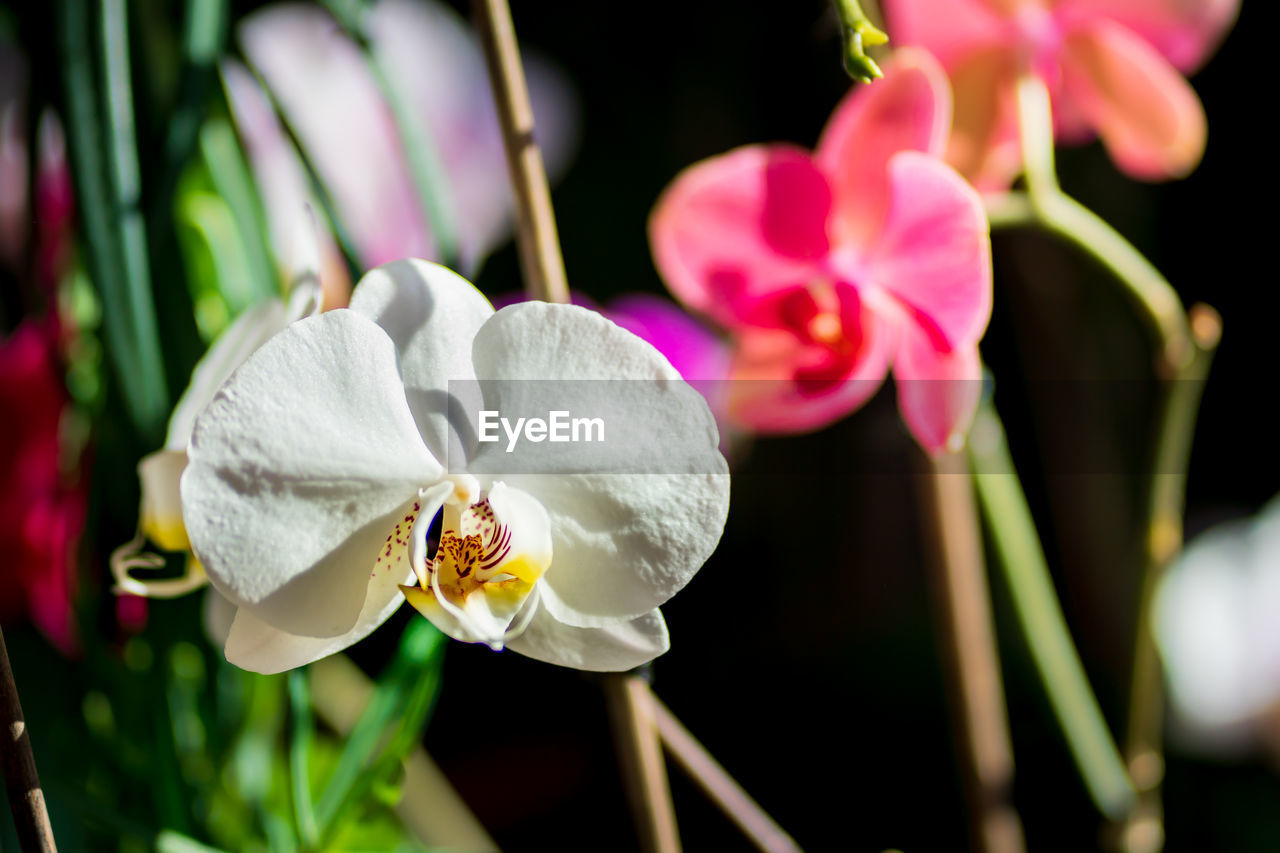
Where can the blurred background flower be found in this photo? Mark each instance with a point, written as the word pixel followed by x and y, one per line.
pixel 1113 68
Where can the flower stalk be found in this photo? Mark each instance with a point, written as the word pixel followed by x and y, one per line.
pixel 1185 346
pixel 717 784
pixel 21 781
pixel 1026 573
pixel 536 234
pixel 635 734
pixel 967 637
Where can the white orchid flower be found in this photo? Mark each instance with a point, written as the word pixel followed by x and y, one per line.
pixel 317 471
pixel 1215 623
pixel 159 473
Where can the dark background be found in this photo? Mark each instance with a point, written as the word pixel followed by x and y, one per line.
pixel 803 653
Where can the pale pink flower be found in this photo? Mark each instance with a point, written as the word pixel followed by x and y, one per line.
pixel 829 268
pixel 1113 68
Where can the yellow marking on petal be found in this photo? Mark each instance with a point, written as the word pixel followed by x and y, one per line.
pixel 166 531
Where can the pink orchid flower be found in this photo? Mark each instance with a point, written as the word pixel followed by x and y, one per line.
pixel 1112 68
pixel 829 268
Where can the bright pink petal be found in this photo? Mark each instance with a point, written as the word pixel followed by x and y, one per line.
pixel 938 391
pixel 909 110
pixel 730 230
pixel 781 384
pixel 1148 116
pixel 935 254
pixel 949 29
pixel 1184 31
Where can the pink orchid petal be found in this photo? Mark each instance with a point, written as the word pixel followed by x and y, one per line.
pixel 949 29
pixel 693 350
pixel 438 62
pixel 765 396
pixel 282 182
pixel 1148 116
pixel 935 253
pixel 1184 31
pixel 984 144
pixel 938 392
pixel 731 229
pixel 328 94
pixel 909 110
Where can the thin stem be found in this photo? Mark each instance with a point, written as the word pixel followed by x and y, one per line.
pixel 21 781
pixel 1186 345
pixel 540 259
pixel 967 638
pixel 1044 626
pixel 635 734
pixel 1143 832
pixel 719 785
pixel 302 735
pixel 1068 218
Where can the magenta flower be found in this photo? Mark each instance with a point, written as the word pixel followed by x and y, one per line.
pixel 829 268
pixel 42 505
pixel 1112 68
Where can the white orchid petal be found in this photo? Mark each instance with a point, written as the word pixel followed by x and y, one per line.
pixel 237 342
pixel 160 476
pixel 612 648
pixel 432 314
pixel 629 537
pixel 298 469
pixel 218 615
pixel 259 646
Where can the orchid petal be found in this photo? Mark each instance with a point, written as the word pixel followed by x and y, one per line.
pixel 1148 116
pixel 259 646
pixel 217 615
pixel 298 468
pixel 984 145
pixel 160 474
pixel 935 253
pixel 734 227
pixel 938 391
pixel 909 110
pixel 439 66
pixel 431 314
pixel 780 385
pixel 328 94
pixel 237 342
pixel 949 28
pixel 613 648
pixel 625 541
pixel 281 180
pixel 1184 31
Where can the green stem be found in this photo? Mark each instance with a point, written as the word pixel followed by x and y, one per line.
pixel 301 740
pixel 1185 348
pixel 1067 218
pixel 1026 573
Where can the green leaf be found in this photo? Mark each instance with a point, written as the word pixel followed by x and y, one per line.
pixel 388 729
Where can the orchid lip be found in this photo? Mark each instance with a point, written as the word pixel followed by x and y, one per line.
pixel 477 576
